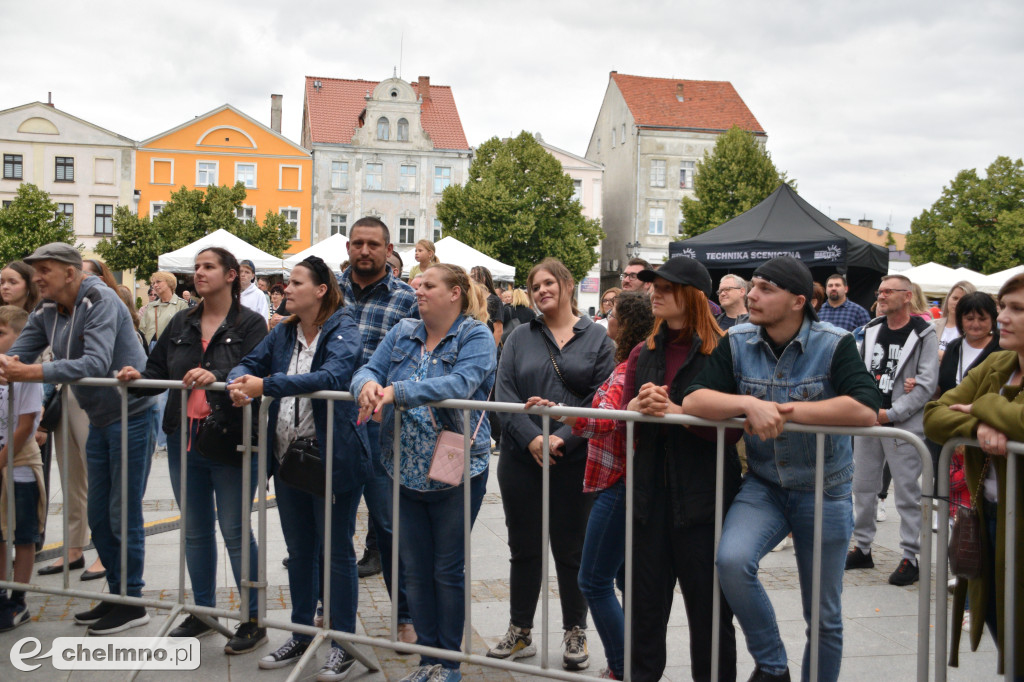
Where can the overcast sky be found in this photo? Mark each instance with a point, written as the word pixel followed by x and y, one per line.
pixel 871 106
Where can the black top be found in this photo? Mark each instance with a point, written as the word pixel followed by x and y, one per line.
pixel 494 311
pixel 885 356
pixel 951 361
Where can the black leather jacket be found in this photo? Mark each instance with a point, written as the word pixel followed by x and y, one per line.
pixel 180 348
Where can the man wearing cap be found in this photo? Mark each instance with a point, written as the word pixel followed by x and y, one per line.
pixel 786 366
pixel 252 297
pixel 91 334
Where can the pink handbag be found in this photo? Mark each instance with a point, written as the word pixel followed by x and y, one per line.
pixel 448 461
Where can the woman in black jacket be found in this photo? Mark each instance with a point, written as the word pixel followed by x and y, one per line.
pixel 199 347
pixel 674 478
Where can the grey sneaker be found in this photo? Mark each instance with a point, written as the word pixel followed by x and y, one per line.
pixel 575 643
pixel 288 653
pixel 421 674
pixel 514 644
pixel 336 666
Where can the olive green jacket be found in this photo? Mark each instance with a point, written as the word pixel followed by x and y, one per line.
pixel 1002 407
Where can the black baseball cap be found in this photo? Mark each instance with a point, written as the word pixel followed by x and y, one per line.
pixel 680 270
pixel 791 274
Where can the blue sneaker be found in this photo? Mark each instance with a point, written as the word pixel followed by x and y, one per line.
pixel 12 615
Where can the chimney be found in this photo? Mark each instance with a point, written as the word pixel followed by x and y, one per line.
pixel 842 220
pixel 679 92
pixel 424 88
pixel 49 98
pixel 864 222
pixel 275 113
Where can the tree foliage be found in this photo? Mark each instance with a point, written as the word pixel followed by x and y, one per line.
pixel 30 221
pixel 733 177
pixel 976 222
pixel 190 214
pixel 517 207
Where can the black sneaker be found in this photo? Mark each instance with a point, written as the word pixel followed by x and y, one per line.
pixel 248 636
pixel 191 627
pixel 369 564
pixel 905 574
pixel 858 559
pixel 760 675
pixel 288 653
pixel 336 667
pixel 122 617
pixel 94 614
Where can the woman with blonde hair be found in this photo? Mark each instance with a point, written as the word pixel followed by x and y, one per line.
pixel 945 326
pixel 425 255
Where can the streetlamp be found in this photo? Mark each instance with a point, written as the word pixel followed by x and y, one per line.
pixel 633 249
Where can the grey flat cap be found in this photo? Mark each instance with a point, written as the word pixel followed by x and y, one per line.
pixel 58 251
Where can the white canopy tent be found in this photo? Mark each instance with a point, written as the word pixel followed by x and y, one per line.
pixel 933 278
pixel 334 251
pixel 996 280
pixel 183 259
pixel 451 250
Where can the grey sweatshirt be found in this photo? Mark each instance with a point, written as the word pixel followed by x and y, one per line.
pixel 94 339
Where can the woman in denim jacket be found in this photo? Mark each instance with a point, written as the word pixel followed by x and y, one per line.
pixel 314 349
pixel 445 354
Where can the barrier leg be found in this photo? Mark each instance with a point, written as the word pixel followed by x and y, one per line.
pixel 1009 583
pixel 819 490
pixel 545 510
pixel 627 631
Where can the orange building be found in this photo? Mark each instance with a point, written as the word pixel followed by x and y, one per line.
pixel 220 148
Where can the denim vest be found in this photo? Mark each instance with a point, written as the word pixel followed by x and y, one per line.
pixel 801 374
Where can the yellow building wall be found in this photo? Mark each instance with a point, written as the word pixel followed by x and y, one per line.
pixel 284 172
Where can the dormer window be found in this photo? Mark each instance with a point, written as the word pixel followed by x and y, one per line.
pixel 394 94
pixel 403 130
pixel 383 129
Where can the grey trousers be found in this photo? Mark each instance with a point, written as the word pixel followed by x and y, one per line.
pixel 869 456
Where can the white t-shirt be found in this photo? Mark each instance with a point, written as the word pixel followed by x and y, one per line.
pixel 949 333
pixel 967 356
pixel 28 399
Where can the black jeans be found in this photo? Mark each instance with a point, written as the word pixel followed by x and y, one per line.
pixel 520 484
pixel 663 554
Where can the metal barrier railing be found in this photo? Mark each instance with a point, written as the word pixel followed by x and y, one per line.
pixel 348 640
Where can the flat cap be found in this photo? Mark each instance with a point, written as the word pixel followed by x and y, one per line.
pixel 58 251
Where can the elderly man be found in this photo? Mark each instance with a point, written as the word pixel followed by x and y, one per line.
pixel 732 294
pixel 91 334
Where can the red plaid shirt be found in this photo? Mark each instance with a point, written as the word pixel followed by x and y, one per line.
pixel 606 452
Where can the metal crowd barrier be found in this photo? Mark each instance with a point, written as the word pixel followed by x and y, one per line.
pixel 350 640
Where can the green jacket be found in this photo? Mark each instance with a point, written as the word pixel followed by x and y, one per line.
pixel 981 389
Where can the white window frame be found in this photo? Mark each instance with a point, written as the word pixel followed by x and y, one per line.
pixel 398 130
pixel 245 208
pixel 342 175
pixel 402 176
pixel 653 223
pixel 690 170
pixel 254 184
pixel 280 177
pixel 387 131
pixel 442 178
pixel 153 210
pixel 577 190
pixel 64 213
pixel 298 220
pixel 152 171
pixel 368 175
pixel 436 231
pixel 343 223
pixel 658 169
pixel 216 173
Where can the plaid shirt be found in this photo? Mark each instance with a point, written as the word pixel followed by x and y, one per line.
pixel 847 316
pixel 606 451
pixel 387 302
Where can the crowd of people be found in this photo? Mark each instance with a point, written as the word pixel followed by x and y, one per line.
pixel 775 349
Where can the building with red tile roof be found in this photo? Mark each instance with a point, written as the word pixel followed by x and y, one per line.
pixel 649 134
pixel 383 148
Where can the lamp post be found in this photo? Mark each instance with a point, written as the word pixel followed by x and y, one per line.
pixel 633 249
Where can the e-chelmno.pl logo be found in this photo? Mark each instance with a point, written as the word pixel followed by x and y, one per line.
pixel 108 653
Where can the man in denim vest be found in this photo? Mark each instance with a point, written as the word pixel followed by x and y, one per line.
pixel 783 366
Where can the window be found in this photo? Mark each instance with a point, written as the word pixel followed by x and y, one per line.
pixel 406 230
pixel 291 216
pixel 155 207
pixel 383 128
pixel 339 174
pixel 206 173
pixel 656 222
pixel 403 130
pixel 245 213
pixel 657 172
pixel 686 169
pixel 12 166
pixel 289 178
pixel 437 230
pixel 407 179
pixel 577 190
pixel 161 171
pixel 6 203
pixel 68 211
pixel 64 169
pixel 104 220
pixel 374 176
pixel 245 173
pixel 339 224
pixel 104 172
pixel 442 178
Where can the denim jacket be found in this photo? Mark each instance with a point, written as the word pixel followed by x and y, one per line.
pixel 337 352
pixel 802 373
pixel 463 368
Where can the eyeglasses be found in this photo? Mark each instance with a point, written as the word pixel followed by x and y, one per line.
pixel 723 289
pixel 887 292
pixel 628 275
pixel 608 300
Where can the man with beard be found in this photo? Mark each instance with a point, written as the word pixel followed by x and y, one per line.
pixel 839 310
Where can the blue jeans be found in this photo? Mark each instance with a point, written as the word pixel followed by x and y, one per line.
pixel 26 514
pixel 760 517
pixel 103 459
pixel 377 492
pixel 161 405
pixel 434 557
pixel 603 563
pixel 214 496
pixel 302 522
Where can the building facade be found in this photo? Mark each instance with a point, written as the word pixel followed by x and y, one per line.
pixel 386 149
pixel 226 146
pixel 649 135
pixel 87 170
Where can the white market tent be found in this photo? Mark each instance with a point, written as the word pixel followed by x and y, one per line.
pixel 933 278
pixel 451 250
pixel 996 280
pixel 334 251
pixel 183 260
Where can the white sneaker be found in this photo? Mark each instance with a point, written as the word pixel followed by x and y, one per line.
pixel 881 514
pixel 786 542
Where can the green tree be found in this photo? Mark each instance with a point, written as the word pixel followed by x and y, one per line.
pixel 135 244
pixel 517 207
pixel 977 222
pixel 733 177
pixel 31 220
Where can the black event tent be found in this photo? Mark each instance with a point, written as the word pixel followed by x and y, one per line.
pixel 786 224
